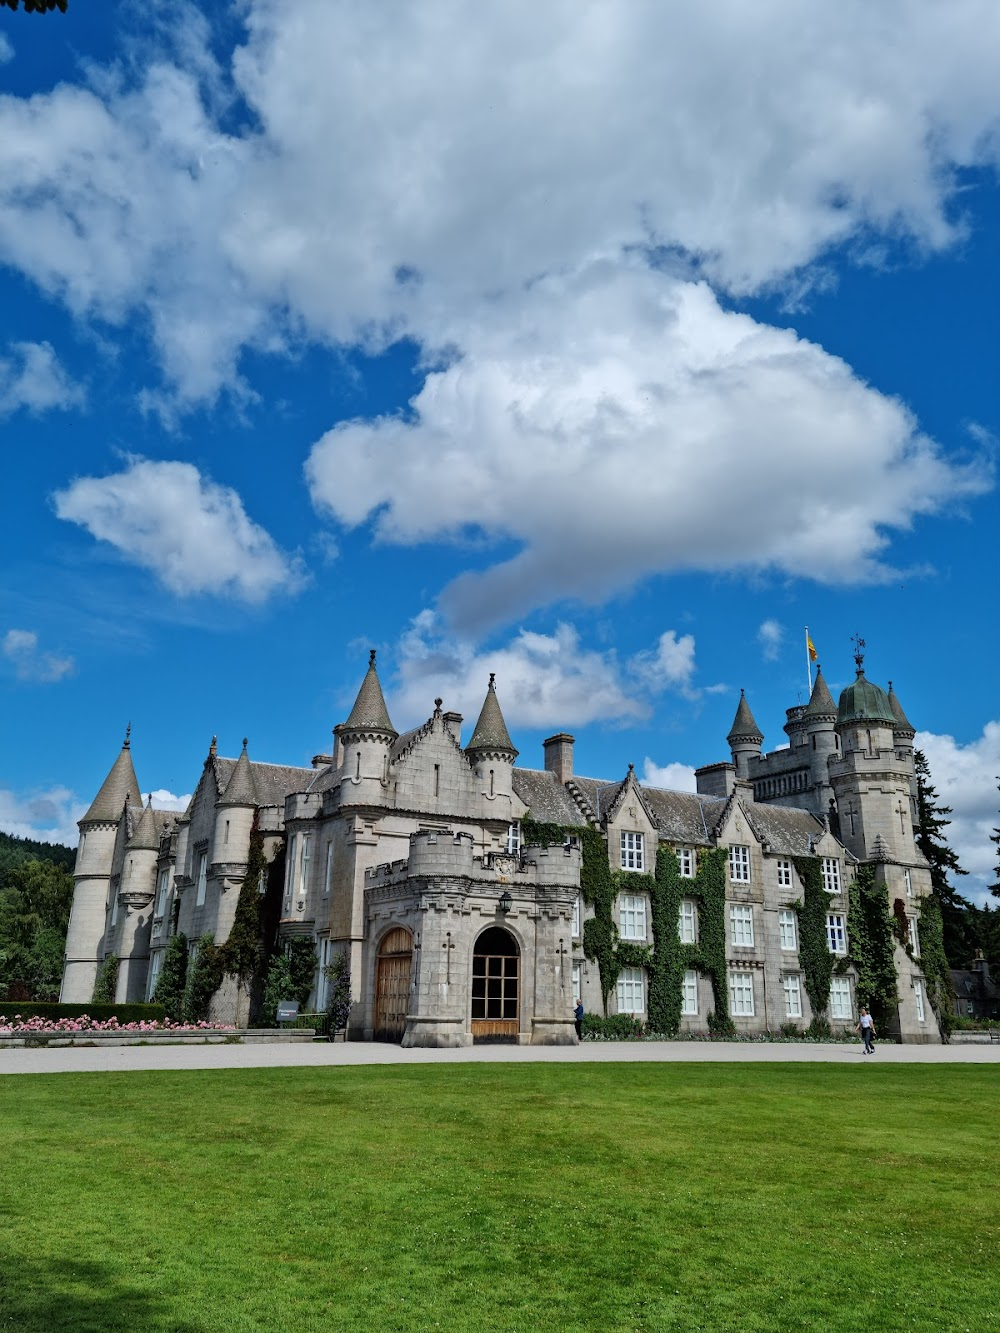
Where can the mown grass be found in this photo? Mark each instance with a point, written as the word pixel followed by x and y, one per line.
pixel 501 1197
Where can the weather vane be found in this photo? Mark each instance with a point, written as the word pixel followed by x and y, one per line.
pixel 859 653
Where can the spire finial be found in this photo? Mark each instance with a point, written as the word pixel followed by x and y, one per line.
pixel 437 705
pixel 493 677
pixel 149 800
pixel 128 734
pixel 244 745
pixel 213 748
pixel 371 657
pixel 859 653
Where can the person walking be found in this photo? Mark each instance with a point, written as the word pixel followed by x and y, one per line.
pixel 866 1027
pixel 578 1018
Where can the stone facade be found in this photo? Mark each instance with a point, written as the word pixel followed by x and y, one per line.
pixel 404 852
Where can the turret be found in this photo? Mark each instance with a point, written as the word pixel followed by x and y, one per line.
pixel 744 738
pixel 819 728
pixel 490 750
pixel 92 875
pixel 366 738
pixel 135 899
pixel 234 814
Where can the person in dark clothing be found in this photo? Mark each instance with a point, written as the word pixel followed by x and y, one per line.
pixel 578 1017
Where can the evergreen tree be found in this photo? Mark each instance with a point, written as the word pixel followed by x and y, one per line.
pixel 243 953
pixel 995 839
pixel 173 978
pixel 932 819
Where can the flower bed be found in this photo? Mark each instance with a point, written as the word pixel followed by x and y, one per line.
pixel 16 1026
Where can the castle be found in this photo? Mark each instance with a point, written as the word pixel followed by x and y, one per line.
pixel 406 852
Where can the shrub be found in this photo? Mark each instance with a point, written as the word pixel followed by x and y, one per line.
pixel 107 980
pixel 277 987
pixel 203 980
pixel 339 1002
pixel 100 1013
pixel 170 984
pixel 616 1027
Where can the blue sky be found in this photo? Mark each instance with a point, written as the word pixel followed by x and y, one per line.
pixel 604 351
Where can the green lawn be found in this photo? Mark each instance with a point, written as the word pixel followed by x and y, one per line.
pixel 493 1197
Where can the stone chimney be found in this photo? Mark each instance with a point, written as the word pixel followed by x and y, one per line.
pixel 716 780
pixel 559 756
pixel 453 722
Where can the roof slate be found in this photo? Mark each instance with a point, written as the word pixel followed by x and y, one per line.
pixel 272 782
pixel 490 732
pixel 120 783
pixel 240 789
pixel 369 712
pixel 547 799
pixel 744 727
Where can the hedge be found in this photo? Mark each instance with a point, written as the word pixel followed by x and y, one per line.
pixel 100 1013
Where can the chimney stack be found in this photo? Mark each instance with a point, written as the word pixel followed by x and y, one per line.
pixel 453 721
pixel 559 756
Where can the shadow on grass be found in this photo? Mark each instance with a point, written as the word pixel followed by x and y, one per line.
pixel 79 1296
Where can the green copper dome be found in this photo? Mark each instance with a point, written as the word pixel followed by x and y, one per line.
pixel 864 702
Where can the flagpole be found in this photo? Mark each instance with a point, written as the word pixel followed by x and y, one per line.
pixel 809 674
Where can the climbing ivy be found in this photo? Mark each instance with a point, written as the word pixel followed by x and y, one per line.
pixel 173 978
pixel 668 959
pixel 870 936
pixel 934 961
pixel 204 977
pixel 814 951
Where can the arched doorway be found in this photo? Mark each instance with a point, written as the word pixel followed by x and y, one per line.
pixel 495 986
pixel 392 984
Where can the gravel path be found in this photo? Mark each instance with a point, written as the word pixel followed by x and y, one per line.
pixel 264 1056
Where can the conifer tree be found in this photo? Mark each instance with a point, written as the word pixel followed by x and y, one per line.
pixel 932 819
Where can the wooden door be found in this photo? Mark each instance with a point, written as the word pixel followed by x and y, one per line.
pixel 392 985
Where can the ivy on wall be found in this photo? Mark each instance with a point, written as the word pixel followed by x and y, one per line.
pixel 814 952
pixel 668 959
pixel 204 977
pixel 870 940
pixel 173 978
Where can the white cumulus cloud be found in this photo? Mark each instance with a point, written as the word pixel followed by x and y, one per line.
pixel 6 50
pixel 47 815
pixel 617 423
pixel 166 800
pixel 965 777
pixel 31 377
pixel 671 777
pixel 400 164
pixel 191 532
pixel 20 648
pixel 770 636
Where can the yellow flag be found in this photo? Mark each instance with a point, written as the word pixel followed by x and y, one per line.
pixel 811 647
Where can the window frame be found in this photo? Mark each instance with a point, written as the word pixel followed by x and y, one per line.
pixel 632 910
pixel 742 914
pixel 631 981
pixel 918 999
pixel 841 987
pixel 201 880
pixel 576 923
pixel 687 921
pixel 735 986
pixel 689 993
pixel 792 987
pixel 739 860
pixel 784 871
pixel 513 845
pixel 788 922
pixel 830 870
pixel 687 862
pixel 632 851
pixel 836 930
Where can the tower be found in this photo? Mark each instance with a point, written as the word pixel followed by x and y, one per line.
pixel 92 876
pixel 745 738
pixel 818 724
pixel 491 753
pixel 135 897
pixel 364 742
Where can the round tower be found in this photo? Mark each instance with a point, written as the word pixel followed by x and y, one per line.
pixel 745 738
pixel 135 898
pixel 819 726
pixel 366 738
pixel 92 875
pixel 491 752
pixel 234 814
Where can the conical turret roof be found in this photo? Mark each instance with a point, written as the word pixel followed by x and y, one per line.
pixel 821 700
pixel 902 723
pixel 145 835
pixel 241 788
pixel 369 712
pixel 120 783
pixel 490 731
pixel 744 727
